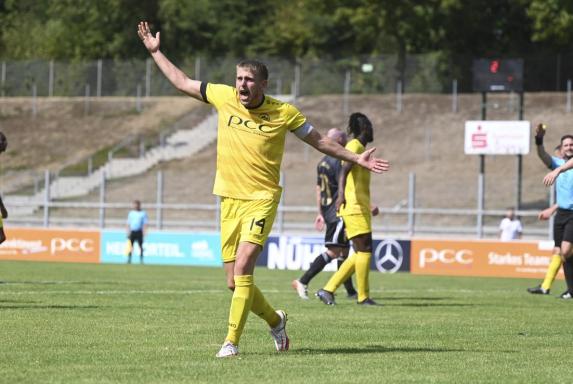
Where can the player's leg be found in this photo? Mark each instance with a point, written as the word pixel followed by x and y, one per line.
pixel 230 236
pixel 350 291
pixel 131 241
pixel 140 243
pixel 551 273
pixel 243 292
pixel 345 271
pixel 567 256
pixel 556 259
pixel 363 246
pixel 334 232
pixel 2 234
pixel 257 220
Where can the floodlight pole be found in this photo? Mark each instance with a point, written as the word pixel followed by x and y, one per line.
pixel 483 117
pixel 518 184
pixel 481 176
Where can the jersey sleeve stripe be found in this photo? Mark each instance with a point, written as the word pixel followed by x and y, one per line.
pixel 204 91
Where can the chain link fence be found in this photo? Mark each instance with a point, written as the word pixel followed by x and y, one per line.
pixel 424 73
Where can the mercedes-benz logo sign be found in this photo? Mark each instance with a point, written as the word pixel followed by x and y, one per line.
pixel 388 256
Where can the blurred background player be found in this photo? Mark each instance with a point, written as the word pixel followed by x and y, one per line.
pixel 251 135
pixel 563 224
pixel 510 227
pixel 3 211
pixel 353 203
pixel 335 240
pixel 136 221
pixel 545 287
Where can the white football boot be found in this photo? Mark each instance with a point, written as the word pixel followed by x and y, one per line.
pixel 279 333
pixel 227 350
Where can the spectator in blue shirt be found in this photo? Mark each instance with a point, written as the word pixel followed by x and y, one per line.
pixel 136 221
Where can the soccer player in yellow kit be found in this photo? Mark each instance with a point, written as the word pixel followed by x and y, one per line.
pixel 354 206
pixel 250 144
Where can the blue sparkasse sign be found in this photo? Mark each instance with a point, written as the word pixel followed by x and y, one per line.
pixel 201 249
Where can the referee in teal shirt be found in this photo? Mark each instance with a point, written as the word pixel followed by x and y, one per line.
pixel 136 221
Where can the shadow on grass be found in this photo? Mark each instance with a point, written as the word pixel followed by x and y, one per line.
pixel 371 349
pixel 64 307
pixel 422 305
pixel 17 301
pixel 417 298
pixel 42 282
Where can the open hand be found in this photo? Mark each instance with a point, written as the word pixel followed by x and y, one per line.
pixel 144 32
pixel 374 164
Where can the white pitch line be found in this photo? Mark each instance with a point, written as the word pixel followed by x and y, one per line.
pixel 211 291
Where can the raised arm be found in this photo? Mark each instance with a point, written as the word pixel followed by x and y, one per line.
pixel 332 148
pixel 175 76
pixel 541 152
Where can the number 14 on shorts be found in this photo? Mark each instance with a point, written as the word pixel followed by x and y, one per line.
pixel 257 223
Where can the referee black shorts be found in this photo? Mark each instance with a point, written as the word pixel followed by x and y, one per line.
pixel 563 226
pixel 136 237
pixel 336 234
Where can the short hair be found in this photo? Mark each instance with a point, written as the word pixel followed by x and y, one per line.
pixel 357 123
pixel 566 137
pixel 258 68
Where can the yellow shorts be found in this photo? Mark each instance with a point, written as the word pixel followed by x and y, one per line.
pixel 357 225
pixel 1 222
pixel 245 220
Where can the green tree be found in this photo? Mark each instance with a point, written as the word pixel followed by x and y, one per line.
pixel 552 22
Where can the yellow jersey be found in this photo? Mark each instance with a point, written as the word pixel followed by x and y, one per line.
pixel 250 143
pixel 357 190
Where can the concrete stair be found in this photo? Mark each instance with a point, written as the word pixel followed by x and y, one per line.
pixel 182 143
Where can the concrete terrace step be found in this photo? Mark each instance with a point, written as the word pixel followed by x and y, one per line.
pixel 181 144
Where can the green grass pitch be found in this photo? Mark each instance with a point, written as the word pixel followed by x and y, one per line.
pixel 73 323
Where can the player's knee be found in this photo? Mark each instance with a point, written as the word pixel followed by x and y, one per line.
pixel 331 253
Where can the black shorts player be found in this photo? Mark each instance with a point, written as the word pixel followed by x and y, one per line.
pixel 336 234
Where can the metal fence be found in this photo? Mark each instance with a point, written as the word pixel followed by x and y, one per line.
pixel 423 73
pixel 406 219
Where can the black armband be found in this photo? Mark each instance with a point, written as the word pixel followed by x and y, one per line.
pixel 538 140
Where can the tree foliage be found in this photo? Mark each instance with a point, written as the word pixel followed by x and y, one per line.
pixel 86 29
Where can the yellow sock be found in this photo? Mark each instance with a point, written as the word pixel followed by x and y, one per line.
pixel 240 307
pixel 263 309
pixel 346 270
pixel 362 272
pixel 551 272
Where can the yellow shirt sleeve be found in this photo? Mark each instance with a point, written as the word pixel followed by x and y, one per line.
pixel 218 94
